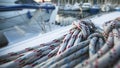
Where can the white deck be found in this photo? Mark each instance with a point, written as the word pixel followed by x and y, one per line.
pixel 98 20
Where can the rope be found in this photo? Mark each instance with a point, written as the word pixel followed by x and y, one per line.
pixel 82 47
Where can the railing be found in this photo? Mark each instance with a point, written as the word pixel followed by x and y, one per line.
pixel 24 6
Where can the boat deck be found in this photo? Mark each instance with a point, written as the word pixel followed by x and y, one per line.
pixel 36 40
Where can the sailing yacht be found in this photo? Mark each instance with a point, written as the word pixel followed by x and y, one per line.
pixel 16 26
pixel 76 6
pixel 106 8
pixel 86 6
pixel 68 6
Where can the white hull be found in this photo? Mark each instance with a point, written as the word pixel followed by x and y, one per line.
pixel 76 6
pixel 86 6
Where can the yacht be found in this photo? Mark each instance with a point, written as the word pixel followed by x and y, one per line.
pixel 68 7
pixel 86 6
pixel 19 22
pixel 76 6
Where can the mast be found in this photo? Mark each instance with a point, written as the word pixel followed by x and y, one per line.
pixel 72 1
pixel 43 0
pixel 58 2
pixel 68 1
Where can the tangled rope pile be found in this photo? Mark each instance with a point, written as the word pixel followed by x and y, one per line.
pixel 84 46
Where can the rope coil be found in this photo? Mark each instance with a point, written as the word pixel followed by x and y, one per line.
pixel 82 47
